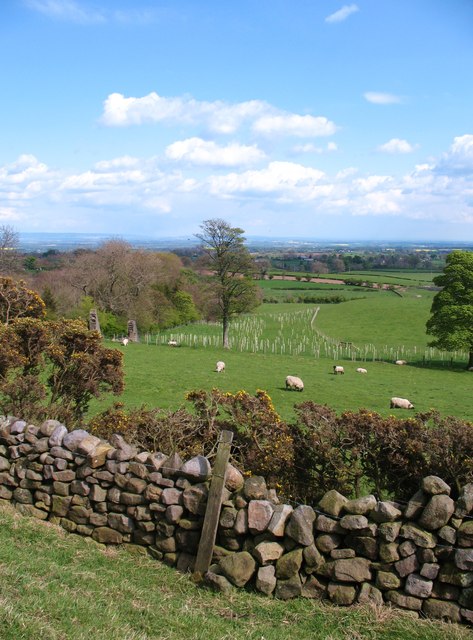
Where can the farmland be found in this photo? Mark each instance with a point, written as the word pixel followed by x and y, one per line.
pixel 371 328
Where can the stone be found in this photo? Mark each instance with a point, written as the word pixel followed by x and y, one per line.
pixel 288 589
pixel 120 522
pixel 131 499
pixel 339 554
pixel 450 574
pixel 73 439
pixel 267 552
pixel 31 511
pixel 434 485
pixel 64 476
pixel 429 570
pixel 448 611
pixel 369 594
pixel 259 515
pixel 23 496
pixel 195 498
pixel 386 580
pixel 174 513
pixel 313 588
pixel 354 522
pixel 197 469
pixel 352 570
pixel 340 594
pixel 139 469
pixel 137 485
pixel 327 525
pixel 241 522
pixel 166 545
pixel 48 426
pixel 407 566
pixel 445 591
pixel 419 536
pixel 389 531
pixel 97 494
pixel 98 456
pixel 300 525
pixel 327 541
pixel 415 505
pixel 217 582
pixel 238 567
pixel 363 546
pixel 17 427
pixel 465 501
pixel 360 506
pixel 312 556
pixel 266 579
pixel 389 552
pixel 465 534
pixel 332 503
pixel 171 496
pixel 467 614
pixel 407 548
pixel 437 512
pixel 404 601
pixel 385 512
pixel 449 534
pixel 171 465
pixel 277 524
pixel 234 479
pixel 418 586
pixel 88 445
pixel 464 559
pixel 466 598
pixel 255 488
pixel 59 452
pixel 289 564
pixel 227 517
pixel 57 436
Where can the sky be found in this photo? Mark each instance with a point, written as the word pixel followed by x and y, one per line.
pixel 286 118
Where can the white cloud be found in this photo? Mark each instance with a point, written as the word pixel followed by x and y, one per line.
pixel 124 162
pixel 396 145
pixel 295 125
pixel 381 98
pixel 204 152
pixel 218 116
pixel 309 147
pixel 67 10
pixel 343 13
pixel 458 160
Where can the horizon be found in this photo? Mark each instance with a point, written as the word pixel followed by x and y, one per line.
pixel 324 120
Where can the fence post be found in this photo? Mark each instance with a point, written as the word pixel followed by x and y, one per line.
pixel 214 503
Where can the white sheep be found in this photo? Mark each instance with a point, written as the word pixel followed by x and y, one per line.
pixel 220 366
pixel 400 362
pixel 172 343
pixel 338 369
pixel 125 341
pixel 361 370
pixel 401 403
pixel 293 382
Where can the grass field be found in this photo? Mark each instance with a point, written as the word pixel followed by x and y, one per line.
pixel 59 586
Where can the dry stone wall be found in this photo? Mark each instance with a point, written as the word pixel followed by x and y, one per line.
pixel 417 556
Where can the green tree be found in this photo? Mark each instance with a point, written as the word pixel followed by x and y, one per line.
pixel 232 267
pixel 451 321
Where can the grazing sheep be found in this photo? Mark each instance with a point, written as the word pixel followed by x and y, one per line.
pixel 220 366
pixel 172 343
pixel 401 403
pixel 338 369
pixel 293 382
pixel 125 341
pixel 361 370
pixel 400 362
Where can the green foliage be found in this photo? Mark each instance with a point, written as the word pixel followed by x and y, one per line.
pixel 451 321
pixel 54 368
pixel 18 301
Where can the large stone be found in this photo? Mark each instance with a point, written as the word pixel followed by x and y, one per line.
pixel 197 469
pixel 389 552
pixel 327 541
pixel 407 566
pixel 73 439
pixel 289 564
pixel 354 522
pixel 312 557
pixel 385 512
pixel 465 501
pixel 195 498
pixel 120 522
pixel 259 515
pixel 266 579
pixel 255 488
pixel 341 594
pixel 415 505
pixel 466 598
pixel 234 479
pixel 267 552
pixel 386 580
pixel 332 503
pixel 218 582
pixel 434 485
pixel 277 524
pixel 404 601
pixel 360 506
pixel 465 534
pixel 449 534
pixel 419 536
pixel 288 589
pixel 171 496
pixel 389 531
pixel 328 524
pixel 418 586
pixel 442 610
pixel 464 559
pixel 451 575
pixel 313 588
pixel 241 522
pixel 369 595
pixel 48 427
pixel 437 512
pixel 238 567
pixel 300 525
pixel 105 535
pixel 57 436
pixel 227 517
pixel 171 465
pixel 352 570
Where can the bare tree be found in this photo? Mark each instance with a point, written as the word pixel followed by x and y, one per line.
pixel 9 255
pixel 232 266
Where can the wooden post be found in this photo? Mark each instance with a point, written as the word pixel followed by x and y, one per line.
pixel 214 503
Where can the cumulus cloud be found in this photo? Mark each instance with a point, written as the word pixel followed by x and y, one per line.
pixel 459 158
pixel 343 13
pixel 396 145
pixel 218 116
pixel 381 98
pixel 206 152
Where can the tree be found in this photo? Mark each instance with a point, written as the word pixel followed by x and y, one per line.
pixel 451 321
pixel 231 265
pixel 17 301
pixel 9 257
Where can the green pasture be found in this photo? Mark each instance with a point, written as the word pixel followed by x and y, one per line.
pixel 60 586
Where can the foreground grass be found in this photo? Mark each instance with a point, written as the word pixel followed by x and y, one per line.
pixel 57 586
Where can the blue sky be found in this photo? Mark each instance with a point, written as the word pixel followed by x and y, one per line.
pixel 316 118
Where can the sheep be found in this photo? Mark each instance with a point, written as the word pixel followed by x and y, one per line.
pixel 361 370
pixel 401 403
pixel 400 362
pixel 293 382
pixel 125 341
pixel 220 366
pixel 172 343
pixel 338 369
